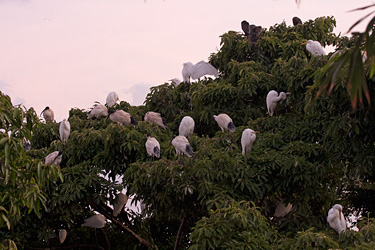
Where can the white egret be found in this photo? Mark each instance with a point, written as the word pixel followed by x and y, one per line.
pixel 182 145
pixel 225 122
pixel 315 48
pixel 336 219
pixel 152 147
pixel 247 140
pixel 282 210
pixel 112 98
pixel 186 126
pixel 62 235
pixel 195 71
pixel 272 99
pixel 154 117
pixel 119 203
pixel 122 117
pixel 95 221
pixel 97 111
pixel 53 158
pixel 64 130
pixel 296 21
pixel 175 81
pixel 48 114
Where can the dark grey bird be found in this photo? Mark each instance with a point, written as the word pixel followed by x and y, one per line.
pixel 296 21
pixel 252 32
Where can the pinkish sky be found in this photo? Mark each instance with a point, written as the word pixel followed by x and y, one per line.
pixel 71 53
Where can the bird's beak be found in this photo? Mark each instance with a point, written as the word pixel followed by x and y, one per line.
pixel 304 43
pixel 256 132
pixel 340 215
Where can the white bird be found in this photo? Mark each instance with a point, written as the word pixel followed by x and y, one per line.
pixel 336 219
pixel 53 158
pixel 282 210
pixel 195 71
pixel 97 111
pixel 64 130
pixel 247 140
pixel 152 147
pixel 62 235
pixel 314 47
pixel 48 114
pixel 182 145
pixel 175 81
pixel 122 117
pixel 112 98
pixel 225 122
pixel 95 221
pixel 119 203
pixel 272 99
pixel 186 126
pixel 154 117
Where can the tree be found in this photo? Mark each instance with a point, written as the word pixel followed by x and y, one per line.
pixel 312 154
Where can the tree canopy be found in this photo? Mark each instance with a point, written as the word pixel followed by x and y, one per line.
pixel 314 153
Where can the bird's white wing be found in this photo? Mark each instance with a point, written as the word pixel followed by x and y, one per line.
pixel 203 68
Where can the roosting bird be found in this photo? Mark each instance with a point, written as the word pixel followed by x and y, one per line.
pixel 182 145
pixel 186 126
pixel 272 99
pixel 26 144
pixel 225 122
pixel 64 130
pixel 119 203
pixel 282 210
pixel 95 221
pixel 296 21
pixel 252 32
pixel 62 235
pixel 53 158
pixel 97 111
pixel 336 219
pixel 112 98
pixel 195 71
pixel 122 117
pixel 314 47
pixel 247 140
pixel 175 81
pixel 152 147
pixel 154 117
pixel 48 114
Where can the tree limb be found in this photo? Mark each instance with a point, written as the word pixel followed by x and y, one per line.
pixel 178 233
pixel 114 220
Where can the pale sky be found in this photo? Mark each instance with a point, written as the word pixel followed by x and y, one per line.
pixel 71 53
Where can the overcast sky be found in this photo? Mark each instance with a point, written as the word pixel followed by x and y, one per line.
pixel 71 53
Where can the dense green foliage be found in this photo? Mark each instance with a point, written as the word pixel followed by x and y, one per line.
pixel 313 153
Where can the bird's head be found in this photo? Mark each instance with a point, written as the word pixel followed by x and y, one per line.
pixel 46 108
pixel 338 207
pixel 148 135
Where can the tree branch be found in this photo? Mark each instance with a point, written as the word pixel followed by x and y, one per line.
pixel 178 233
pixel 103 210
pixel 89 246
